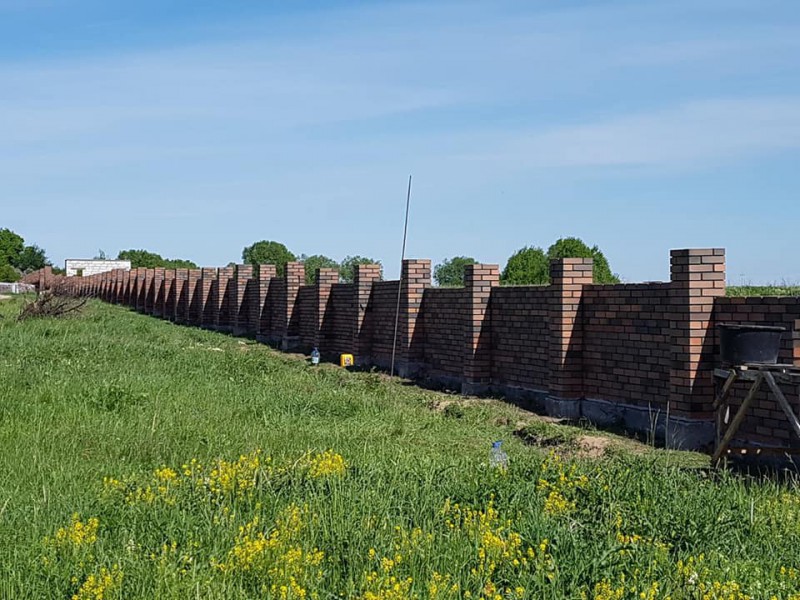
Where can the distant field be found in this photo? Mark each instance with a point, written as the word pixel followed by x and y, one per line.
pixel 140 459
pixel 762 290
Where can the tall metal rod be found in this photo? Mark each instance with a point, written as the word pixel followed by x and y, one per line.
pixel 400 282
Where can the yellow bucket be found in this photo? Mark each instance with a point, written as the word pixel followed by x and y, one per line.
pixel 346 360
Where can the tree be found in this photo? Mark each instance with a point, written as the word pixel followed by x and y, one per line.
pixel 527 266
pixel 450 272
pixel 149 260
pixel 32 258
pixel 179 263
pixel 314 262
pixel 8 273
pixel 267 252
pixel 347 268
pixel 572 247
pixel 11 246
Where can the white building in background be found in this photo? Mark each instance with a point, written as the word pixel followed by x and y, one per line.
pixel 89 266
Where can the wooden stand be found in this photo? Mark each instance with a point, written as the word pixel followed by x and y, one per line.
pixel 757 374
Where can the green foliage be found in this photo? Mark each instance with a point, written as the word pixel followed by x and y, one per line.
pixel 268 252
pixel 314 262
pixel 450 272
pixel 572 247
pixel 11 246
pixel 347 268
pixel 149 260
pixel 8 273
pixel 531 265
pixel 16 256
pixel 527 266
pixel 32 258
pixel 742 291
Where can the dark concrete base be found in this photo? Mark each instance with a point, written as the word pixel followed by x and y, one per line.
pixel 673 431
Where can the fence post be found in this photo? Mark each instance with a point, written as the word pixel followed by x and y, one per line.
pixel 240 299
pixel 414 278
pixel 294 277
pixel 567 278
pixel 364 277
pixel 697 276
pixel 478 283
pixel 261 308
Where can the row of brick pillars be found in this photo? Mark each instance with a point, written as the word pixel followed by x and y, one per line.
pixel 257 302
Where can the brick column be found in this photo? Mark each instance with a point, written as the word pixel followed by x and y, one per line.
pixel 364 277
pixel 294 277
pixel 168 301
pixel 222 299
pixel 260 317
pixel 119 275
pixel 193 310
pixel 130 286
pixel 326 278
pixel 147 303
pixel 478 283
pixel 697 277
pixel 207 312
pixel 158 291
pixel 567 278
pixel 177 310
pixel 240 300
pixel 414 278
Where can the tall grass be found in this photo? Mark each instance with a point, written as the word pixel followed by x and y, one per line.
pixel 102 416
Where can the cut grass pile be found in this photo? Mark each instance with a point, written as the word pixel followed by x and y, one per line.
pixel 146 460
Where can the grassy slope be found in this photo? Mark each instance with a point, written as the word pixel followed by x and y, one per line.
pixel 118 394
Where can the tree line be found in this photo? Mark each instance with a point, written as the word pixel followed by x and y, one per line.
pixel 17 258
pixel 530 265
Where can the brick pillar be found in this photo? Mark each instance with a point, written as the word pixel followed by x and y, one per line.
pixel 240 295
pixel 697 277
pixel 146 301
pixel 222 299
pixel 294 277
pixel 127 287
pixel 567 278
pixel 364 277
pixel 179 303
pixel 478 283
pixel 116 291
pixel 326 278
pixel 157 307
pixel 193 309
pixel 108 283
pixel 414 278
pixel 208 281
pixel 168 297
pixel 260 314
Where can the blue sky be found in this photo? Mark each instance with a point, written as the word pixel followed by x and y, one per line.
pixel 193 129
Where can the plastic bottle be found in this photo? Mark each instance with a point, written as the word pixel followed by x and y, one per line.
pixel 315 357
pixel 498 459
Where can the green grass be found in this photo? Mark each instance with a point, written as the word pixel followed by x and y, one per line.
pixel 416 513
pixel 762 290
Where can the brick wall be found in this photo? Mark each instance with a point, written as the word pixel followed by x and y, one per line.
pixel 443 327
pixel 629 353
pixel 520 337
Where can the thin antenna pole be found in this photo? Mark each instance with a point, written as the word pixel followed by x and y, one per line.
pixel 400 282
